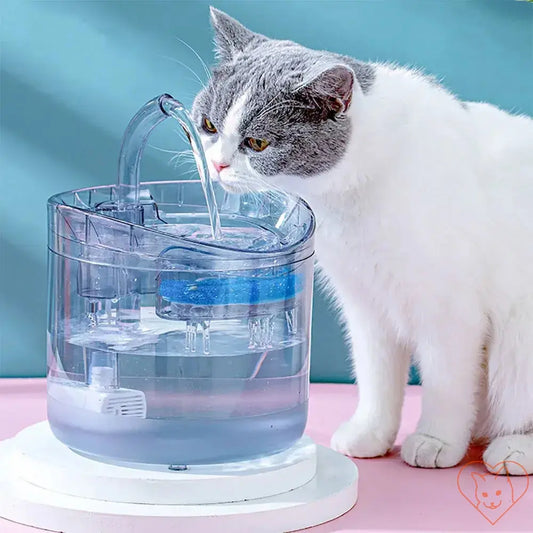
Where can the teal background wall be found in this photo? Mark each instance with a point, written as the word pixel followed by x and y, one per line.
pixel 73 74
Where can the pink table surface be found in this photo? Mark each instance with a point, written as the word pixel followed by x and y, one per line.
pixel 392 495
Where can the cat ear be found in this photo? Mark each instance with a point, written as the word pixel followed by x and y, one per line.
pixel 477 477
pixel 331 89
pixel 231 36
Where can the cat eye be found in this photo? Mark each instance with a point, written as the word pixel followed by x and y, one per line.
pixel 208 126
pixel 484 494
pixel 256 144
pixel 498 492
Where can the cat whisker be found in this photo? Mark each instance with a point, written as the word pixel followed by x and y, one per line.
pixel 164 150
pixel 200 81
pixel 187 151
pixel 206 69
pixel 181 134
pixel 259 188
pixel 180 162
pixel 181 157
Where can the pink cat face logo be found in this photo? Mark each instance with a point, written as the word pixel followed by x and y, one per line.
pixel 491 494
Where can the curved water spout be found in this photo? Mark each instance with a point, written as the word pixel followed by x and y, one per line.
pixel 134 142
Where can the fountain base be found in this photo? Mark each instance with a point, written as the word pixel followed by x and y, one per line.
pixel 45 484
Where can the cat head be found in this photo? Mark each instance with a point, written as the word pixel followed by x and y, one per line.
pixel 492 490
pixel 272 109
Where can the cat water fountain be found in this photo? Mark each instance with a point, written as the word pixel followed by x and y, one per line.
pixel 178 362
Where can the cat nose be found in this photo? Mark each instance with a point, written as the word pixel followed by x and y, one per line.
pixel 219 166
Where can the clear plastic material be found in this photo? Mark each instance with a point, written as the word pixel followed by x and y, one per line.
pixel 127 205
pixel 179 321
pixel 165 346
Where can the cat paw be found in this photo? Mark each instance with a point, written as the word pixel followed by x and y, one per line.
pixel 426 451
pixel 354 440
pixel 511 454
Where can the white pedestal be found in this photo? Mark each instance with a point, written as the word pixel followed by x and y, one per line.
pixel 44 484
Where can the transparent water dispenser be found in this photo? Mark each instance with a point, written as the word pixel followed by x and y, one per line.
pixel 178 362
pixel 169 346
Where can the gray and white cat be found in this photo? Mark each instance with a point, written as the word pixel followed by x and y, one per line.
pixel 424 206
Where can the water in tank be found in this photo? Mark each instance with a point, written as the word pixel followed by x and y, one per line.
pixel 179 315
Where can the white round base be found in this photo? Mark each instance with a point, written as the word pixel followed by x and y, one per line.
pixel 44 484
pixel 42 460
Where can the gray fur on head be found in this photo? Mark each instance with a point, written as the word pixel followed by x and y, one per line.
pixel 298 98
pixel 231 37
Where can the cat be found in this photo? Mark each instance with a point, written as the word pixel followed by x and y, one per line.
pixel 493 497
pixel 424 208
